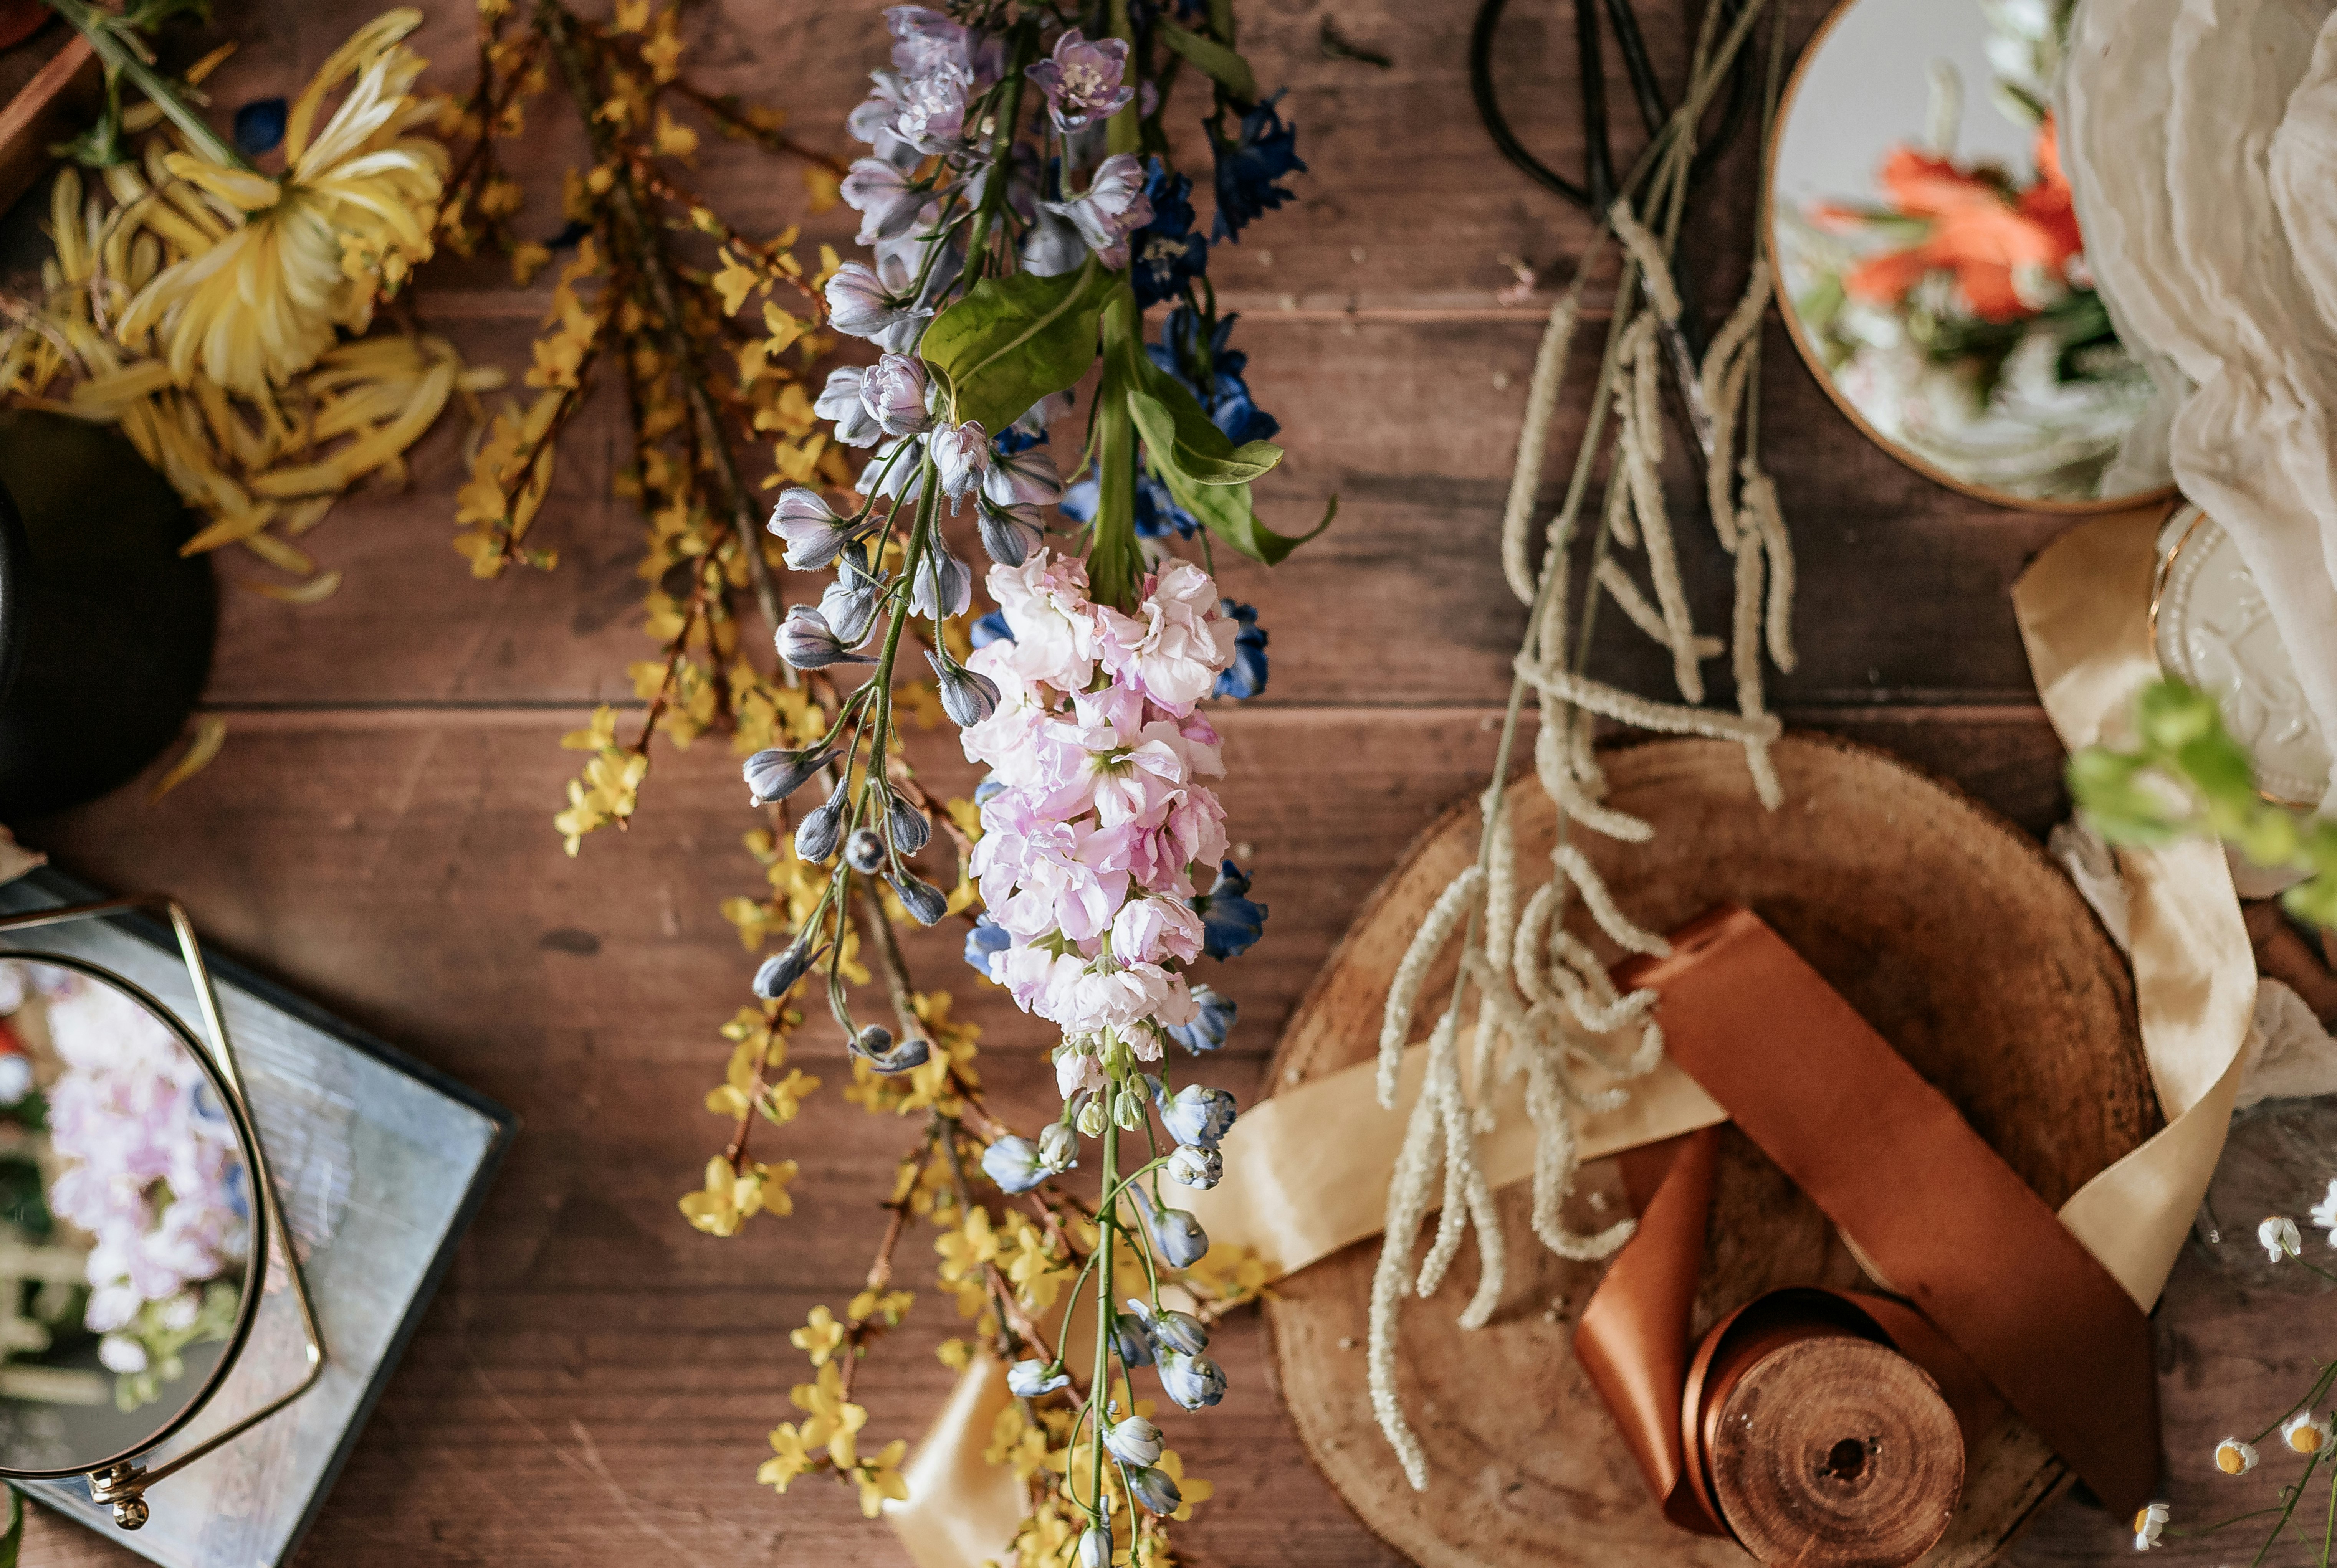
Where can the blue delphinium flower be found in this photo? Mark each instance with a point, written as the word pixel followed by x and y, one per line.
pixel 1134 1442
pixel 1246 676
pixel 1131 1339
pixel 1192 1382
pixel 1198 1116
pixel 1208 1031
pixel 259 126
pixel 1166 254
pixel 1177 1237
pixel 1030 1379
pixel 1180 1333
pixel 1231 922
pixel 1157 1490
pixel 1221 392
pixel 1263 152
pixel 1014 1163
pixel 987 937
pixel 1156 512
pixel 990 629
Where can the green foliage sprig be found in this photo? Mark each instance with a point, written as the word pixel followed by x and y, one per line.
pixel 2186 777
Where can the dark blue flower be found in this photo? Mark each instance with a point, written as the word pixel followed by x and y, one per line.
pixel 987 937
pixel 1156 512
pixel 1247 167
pixel 1208 1032
pixel 990 629
pixel 1014 439
pixel 1166 254
pixel 259 126
pixel 1212 372
pixel 1246 676
pixel 1231 922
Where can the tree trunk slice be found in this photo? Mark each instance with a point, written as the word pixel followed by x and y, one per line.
pixel 1948 931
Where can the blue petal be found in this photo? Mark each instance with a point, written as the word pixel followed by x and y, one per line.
pixel 990 629
pixel 259 126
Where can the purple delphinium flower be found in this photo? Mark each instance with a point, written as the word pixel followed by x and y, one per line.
pixel 839 400
pixel 1112 207
pixel 884 195
pixel 1261 152
pixel 894 390
pixel 961 457
pixel 814 533
pixel 1082 81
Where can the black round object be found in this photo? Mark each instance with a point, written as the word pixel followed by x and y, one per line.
pixel 105 629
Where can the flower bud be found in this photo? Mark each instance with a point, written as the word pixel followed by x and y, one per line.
pixel 908 827
pixel 1023 478
pixel 816 835
pixel 968 696
pixel 1014 1163
pixel 1155 1490
pixel 1129 1341
pixel 1212 1022
pixel 1135 1443
pixel 1029 1380
pixel 1090 1120
pixel 1058 1147
pixel 1198 1116
pixel 863 852
pixel 875 1044
pixel 922 899
pixel 849 604
pixel 1174 1332
pixel 961 457
pixel 944 586
pixel 1009 536
pixel 2280 1238
pixel 1177 1237
pixel 1189 1166
pixel 858 303
pixel 782 969
pixel 807 642
pixel 895 389
pixel 1192 1382
pixel 774 775
pixel 1128 1110
pixel 840 401
pixel 816 534
pixel 1095 1547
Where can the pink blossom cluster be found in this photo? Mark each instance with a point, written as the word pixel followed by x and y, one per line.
pixel 152 1168
pixel 1088 849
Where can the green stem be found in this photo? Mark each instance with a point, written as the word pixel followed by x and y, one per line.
pixel 2293 1498
pixel 103 32
pixel 993 193
pixel 1107 1229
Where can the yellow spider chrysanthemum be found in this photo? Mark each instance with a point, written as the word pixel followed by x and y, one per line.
pixel 313 250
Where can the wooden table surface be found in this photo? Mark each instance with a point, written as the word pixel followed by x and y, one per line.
pixel 594 1382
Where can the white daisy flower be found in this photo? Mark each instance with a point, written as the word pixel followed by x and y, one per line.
pixel 2306 1432
pixel 2147 1525
pixel 2279 1237
pixel 2234 1458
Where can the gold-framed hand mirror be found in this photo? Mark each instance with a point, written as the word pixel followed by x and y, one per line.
pixel 139 1225
pixel 1930 266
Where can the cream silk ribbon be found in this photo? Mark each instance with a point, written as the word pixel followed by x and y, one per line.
pixel 1307 1170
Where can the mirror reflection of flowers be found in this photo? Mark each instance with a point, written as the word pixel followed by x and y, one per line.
pixel 152 1171
pixel 1958 316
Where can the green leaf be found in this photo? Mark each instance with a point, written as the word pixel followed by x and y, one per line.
pixel 12 1544
pixel 1228 69
pixel 1013 340
pixel 1185 439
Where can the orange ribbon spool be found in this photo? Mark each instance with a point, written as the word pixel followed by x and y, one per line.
pixel 1999 1304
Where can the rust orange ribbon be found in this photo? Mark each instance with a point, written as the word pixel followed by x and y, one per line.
pixel 1999 1299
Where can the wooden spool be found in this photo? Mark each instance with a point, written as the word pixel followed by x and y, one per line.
pixel 1835 1452
pixel 1948 929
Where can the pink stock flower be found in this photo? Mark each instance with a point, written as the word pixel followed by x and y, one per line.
pixel 1172 649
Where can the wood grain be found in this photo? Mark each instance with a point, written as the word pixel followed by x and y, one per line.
pixel 594 1385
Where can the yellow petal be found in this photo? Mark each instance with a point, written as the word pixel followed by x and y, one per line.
pixel 210 734
pixel 316 590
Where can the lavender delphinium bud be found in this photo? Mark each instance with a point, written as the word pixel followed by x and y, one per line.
pixel 859 305
pixel 961 457
pixel 1059 1146
pixel 1130 1340
pixel 943 586
pixel 1008 535
pixel 906 824
pixel 1198 1116
pixel 807 642
pixel 922 899
pixel 816 534
pixel 1082 81
pixel 863 852
pixel 822 825
pixel 849 604
pixel 1113 206
pixel 968 696
pixel 886 1054
pixel 1028 478
pixel 1192 1382
pixel 1030 1378
pixel 1014 1163
pixel 781 970
pixel 894 390
pixel 840 400
pixel 1188 1166
pixel 1180 1333
pixel 1177 1237
pixel 1135 1443
pixel 774 775
pixel 1156 1490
